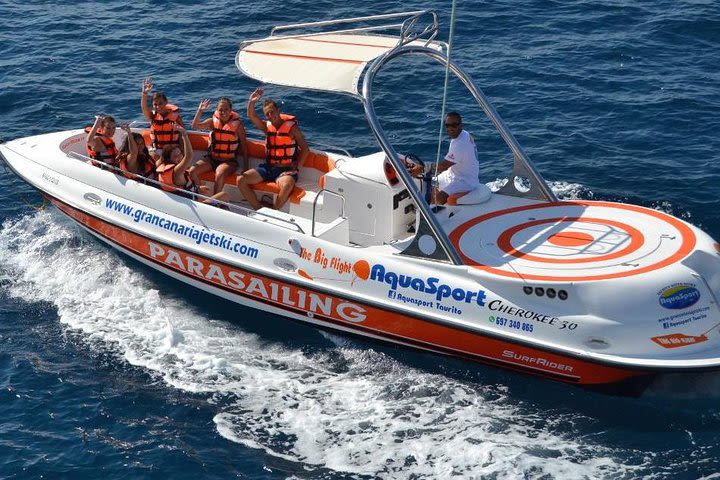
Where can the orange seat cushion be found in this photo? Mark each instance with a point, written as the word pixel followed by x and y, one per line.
pixel 452 199
pixel 256 149
pixel 271 187
pixel 198 141
pixel 319 161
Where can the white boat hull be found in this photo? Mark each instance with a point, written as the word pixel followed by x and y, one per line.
pixel 480 312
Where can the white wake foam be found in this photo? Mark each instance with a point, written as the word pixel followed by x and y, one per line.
pixel 346 408
pixel 563 190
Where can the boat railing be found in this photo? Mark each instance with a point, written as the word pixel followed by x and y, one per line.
pixel 238 209
pixel 314 208
pixel 408 27
pixel 523 171
pixel 412 33
pixel 325 147
pixel 333 149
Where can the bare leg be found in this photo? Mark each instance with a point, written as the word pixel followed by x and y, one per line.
pixel 286 184
pixel 199 168
pixel 222 172
pixel 222 196
pixel 250 177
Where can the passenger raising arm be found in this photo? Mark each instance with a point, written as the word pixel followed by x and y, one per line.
pixel 180 158
pixel 100 144
pixel 173 169
pixel 134 156
pixel 286 148
pixel 132 149
pixel 163 117
pixel 227 141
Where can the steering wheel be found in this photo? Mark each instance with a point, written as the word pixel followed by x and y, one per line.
pixel 423 174
pixel 412 161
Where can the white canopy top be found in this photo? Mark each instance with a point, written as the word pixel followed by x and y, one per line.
pixel 331 62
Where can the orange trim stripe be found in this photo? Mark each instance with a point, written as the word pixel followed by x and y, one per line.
pixel 315 40
pixel 636 241
pixel 381 323
pixel 307 57
pixel 688 242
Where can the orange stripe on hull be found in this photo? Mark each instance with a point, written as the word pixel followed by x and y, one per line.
pixel 358 317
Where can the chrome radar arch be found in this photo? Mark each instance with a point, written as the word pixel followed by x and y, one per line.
pixel 523 169
pixel 324 56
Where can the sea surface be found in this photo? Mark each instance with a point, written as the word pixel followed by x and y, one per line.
pixel 110 370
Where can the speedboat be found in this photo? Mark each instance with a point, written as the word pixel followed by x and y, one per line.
pixel 604 295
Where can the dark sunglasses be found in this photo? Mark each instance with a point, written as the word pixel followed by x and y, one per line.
pixel 452 125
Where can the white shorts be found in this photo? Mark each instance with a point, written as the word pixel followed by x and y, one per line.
pixel 452 185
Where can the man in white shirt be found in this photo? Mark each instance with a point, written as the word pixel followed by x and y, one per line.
pixel 459 171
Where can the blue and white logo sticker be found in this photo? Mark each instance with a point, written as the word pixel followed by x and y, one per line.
pixel 679 296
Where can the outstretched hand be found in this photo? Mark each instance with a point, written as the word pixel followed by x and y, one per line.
pixel 204 104
pixel 415 170
pixel 256 95
pixel 147 85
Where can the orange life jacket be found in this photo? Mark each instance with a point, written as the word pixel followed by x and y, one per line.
pixel 224 138
pixel 167 179
pixel 162 129
pixel 145 165
pixel 109 156
pixel 280 147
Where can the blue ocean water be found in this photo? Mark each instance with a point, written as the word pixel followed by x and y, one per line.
pixel 110 370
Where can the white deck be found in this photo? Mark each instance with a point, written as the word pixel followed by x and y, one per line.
pixel 566 241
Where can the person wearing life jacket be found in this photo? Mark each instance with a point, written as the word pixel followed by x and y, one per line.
pixel 172 170
pixel 134 156
pixel 285 149
pixel 100 144
pixel 163 117
pixel 227 142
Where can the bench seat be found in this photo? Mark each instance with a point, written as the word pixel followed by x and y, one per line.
pixel 310 173
pixel 268 187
